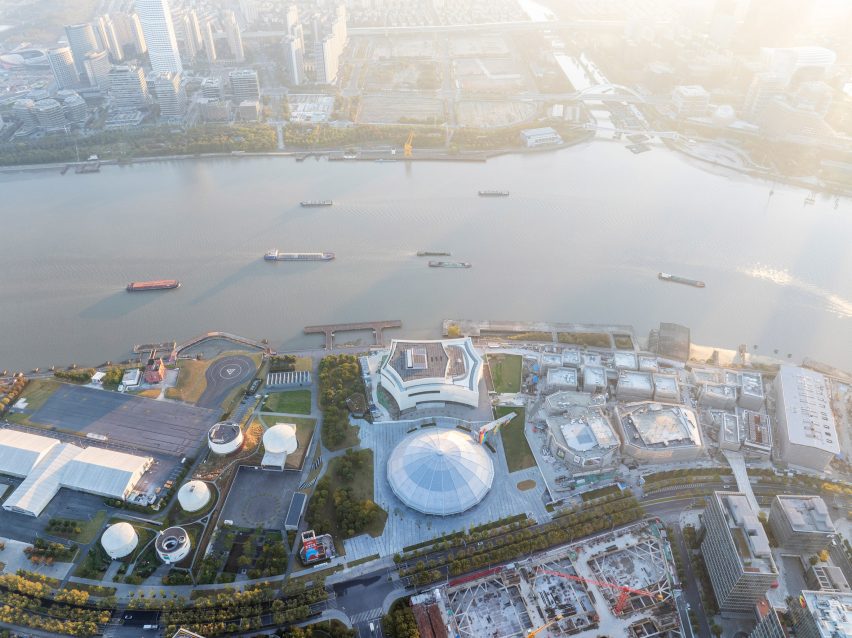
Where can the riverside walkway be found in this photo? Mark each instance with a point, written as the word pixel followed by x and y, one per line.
pixel 378 328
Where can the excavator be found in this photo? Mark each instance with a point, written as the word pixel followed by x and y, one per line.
pixel 409 145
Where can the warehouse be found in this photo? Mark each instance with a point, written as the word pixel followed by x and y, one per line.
pixel 47 465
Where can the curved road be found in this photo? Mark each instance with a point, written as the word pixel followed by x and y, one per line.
pixel 223 376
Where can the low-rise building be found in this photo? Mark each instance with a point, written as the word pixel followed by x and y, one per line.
pixel 827 578
pixel 634 386
pixel 624 360
pixel 822 615
pixel 648 363
pixel 550 360
pixel 131 377
pixel 737 553
pixel 560 402
pixel 807 432
pixel 249 110
pixel 571 358
pixel 717 395
pixel 691 100
pixel 594 378
pixel 801 523
pixel 561 379
pixel 155 371
pixel 730 434
pixel 659 432
pixel 666 388
pixel 751 395
pixel 757 433
pixel 545 136
pixel 583 438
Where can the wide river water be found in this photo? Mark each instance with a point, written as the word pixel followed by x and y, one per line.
pixel 581 238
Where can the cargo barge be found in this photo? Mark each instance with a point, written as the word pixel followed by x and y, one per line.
pixel 680 280
pixel 159 284
pixel 274 255
pixel 429 253
pixel 315 203
pixel 493 193
pixel 449 264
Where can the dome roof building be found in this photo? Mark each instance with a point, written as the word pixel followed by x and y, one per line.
pixel 440 472
pixel 278 441
pixel 225 437
pixel 119 540
pixel 193 496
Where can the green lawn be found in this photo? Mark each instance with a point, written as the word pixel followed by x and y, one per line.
pixel 290 402
pixel 518 454
pixel 505 372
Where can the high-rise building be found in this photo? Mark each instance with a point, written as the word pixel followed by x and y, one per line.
pixel 822 615
pixel 736 551
pixel 127 87
pixel 81 40
pixel 244 85
pixel 249 10
pixel 232 33
pixel 24 112
pixel 209 41
pixel 62 64
pixel 185 32
pixel 156 20
pixel 170 95
pixel 328 47
pixel 211 88
pixel 108 38
pixel 801 523
pixel 128 32
pixel 97 69
pixel 49 115
pixel 294 47
pixel 768 625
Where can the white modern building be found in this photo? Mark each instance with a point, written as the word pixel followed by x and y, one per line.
pixel 81 40
pixel 97 67
pixel 127 87
pixel 49 115
pixel 62 64
pixel 279 441
pixel 193 496
pixel 47 465
pixel 807 432
pixel 244 85
pixel 173 545
pixel 155 17
pixel 440 472
pixel 225 437
pixel 801 523
pixel 170 95
pixel 119 540
pixel 737 553
pixel 656 432
pixel 583 439
pixel 432 372
pixel 294 47
pixel 545 136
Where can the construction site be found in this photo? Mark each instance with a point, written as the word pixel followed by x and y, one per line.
pixel 620 583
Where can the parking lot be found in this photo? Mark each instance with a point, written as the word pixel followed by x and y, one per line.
pixel 166 427
pixel 260 498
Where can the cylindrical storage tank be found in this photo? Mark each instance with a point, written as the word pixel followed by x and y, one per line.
pixel 280 439
pixel 119 540
pixel 225 437
pixel 193 496
pixel 173 545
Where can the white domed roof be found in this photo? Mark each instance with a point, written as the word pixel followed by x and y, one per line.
pixel 440 471
pixel 119 540
pixel 280 439
pixel 193 496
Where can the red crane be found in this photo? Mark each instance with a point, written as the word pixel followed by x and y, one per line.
pixel 623 596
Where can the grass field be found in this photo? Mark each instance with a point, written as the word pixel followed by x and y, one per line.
pixel 191 382
pixel 505 372
pixel 36 393
pixel 594 339
pixel 304 364
pixel 88 529
pixel 290 402
pixel 518 454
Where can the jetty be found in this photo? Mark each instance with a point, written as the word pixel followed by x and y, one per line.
pixel 329 330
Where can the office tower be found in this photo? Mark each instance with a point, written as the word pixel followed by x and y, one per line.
pixel 156 20
pixel 209 41
pixel 128 33
pixel 185 34
pixel 294 47
pixel 108 39
pixel 170 95
pixel 736 551
pixel 127 87
pixel 62 64
pixel 81 40
pixel 801 523
pixel 49 114
pixel 97 68
pixel 768 625
pixel 244 85
pixel 232 33
pixel 822 615
pixel 249 10
pixel 211 88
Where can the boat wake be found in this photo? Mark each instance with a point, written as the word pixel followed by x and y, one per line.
pixel 834 303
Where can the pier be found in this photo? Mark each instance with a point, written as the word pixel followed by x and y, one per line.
pixel 377 327
pixel 260 345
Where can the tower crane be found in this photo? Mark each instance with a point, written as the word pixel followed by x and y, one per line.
pixel 624 590
pixel 535 632
pixel 409 145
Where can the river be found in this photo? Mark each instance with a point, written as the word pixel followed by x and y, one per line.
pixel 581 238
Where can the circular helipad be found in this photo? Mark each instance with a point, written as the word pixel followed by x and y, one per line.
pixel 224 375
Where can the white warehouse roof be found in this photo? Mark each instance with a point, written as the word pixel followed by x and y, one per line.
pixel 104 472
pixel 21 451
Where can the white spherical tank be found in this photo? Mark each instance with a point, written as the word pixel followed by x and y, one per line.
pixel 119 540
pixel 280 439
pixel 225 437
pixel 173 545
pixel 193 496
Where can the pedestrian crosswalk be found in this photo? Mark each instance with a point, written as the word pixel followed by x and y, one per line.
pixel 364 616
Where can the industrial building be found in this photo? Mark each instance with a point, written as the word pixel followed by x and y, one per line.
pixel 561 379
pixel 822 615
pixel 583 438
pixel 173 545
pixel 801 523
pixel 441 472
pixel 807 432
pixel 659 432
pixel 737 553
pixel 119 540
pixel 278 442
pixel 47 465
pixel 432 372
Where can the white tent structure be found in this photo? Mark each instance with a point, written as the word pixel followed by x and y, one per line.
pixel 193 496
pixel 278 441
pixel 48 465
pixel 119 540
pixel 440 472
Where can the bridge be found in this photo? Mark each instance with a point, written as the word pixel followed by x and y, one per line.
pixel 329 330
